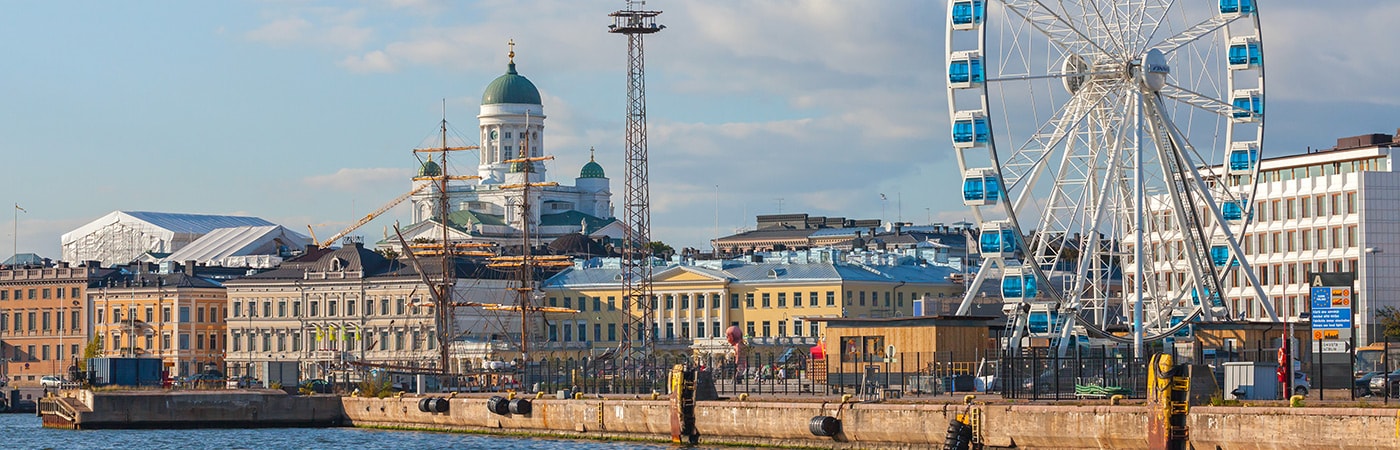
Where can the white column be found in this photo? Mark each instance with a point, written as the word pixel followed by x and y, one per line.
pixel 706 314
pixel 723 311
pixel 676 315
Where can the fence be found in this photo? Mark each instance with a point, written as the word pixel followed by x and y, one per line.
pixel 900 375
pixel 1040 375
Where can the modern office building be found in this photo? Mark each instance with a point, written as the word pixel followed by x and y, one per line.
pixel 1328 210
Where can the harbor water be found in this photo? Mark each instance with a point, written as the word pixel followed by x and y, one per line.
pixel 23 431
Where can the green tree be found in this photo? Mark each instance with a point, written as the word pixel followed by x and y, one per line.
pixel 661 250
pixel 91 350
pixel 1389 319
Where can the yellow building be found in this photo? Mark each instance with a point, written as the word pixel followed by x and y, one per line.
pixel 771 302
pixel 177 317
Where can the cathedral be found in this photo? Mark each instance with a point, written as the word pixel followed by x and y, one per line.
pixel 488 209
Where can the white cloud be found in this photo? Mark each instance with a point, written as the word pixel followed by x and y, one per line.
pixel 326 27
pixel 375 61
pixel 353 180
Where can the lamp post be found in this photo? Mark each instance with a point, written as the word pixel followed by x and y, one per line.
pixel 1370 276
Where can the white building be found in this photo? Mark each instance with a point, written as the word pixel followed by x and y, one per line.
pixel 1320 212
pixel 121 237
pixel 487 210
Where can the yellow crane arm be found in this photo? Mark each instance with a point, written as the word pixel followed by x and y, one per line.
pixel 367 218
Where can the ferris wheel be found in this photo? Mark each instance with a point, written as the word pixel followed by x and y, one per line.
pixel 1110 152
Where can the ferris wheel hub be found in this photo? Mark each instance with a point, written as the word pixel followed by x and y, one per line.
pixel 1155 70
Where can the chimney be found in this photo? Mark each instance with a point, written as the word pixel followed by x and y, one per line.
pixel 189 267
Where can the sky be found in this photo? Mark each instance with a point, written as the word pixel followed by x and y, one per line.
pixel 304 112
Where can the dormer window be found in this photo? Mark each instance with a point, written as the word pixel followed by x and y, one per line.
pixel 777 272
pixel 337 264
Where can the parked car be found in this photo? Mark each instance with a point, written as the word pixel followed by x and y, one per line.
pixel 1301 384
pixel 50 381
pixel 1378 384
pixel 243 382
pixel 1361 385
pixel 209 379
pixel 315 386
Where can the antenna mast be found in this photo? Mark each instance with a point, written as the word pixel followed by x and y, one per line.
pixel 636 249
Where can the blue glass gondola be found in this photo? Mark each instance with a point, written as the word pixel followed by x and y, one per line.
pixel 968 14
pixel 998 240
pixel 1244 53
pixel 965 70
pixel 1237 6
pixel 1243 158
pixel 1234 211
pixel 1039 322
pixel 970 129
pixel 1249 106
pixel 980 187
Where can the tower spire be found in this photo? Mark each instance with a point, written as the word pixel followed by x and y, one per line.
pixel 511 43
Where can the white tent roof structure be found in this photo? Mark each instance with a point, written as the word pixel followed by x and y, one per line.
pixel 247 246
pixel 124 236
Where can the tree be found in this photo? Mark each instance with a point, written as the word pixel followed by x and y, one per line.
pixel 91 350
pixel 661 250
pixel 389 253
pixel 1389 319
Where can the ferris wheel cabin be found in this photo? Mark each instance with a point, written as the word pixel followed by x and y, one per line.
pixel 1249 105
pixel 1243 157
pixel 965 70
pixel 1234 211
pixel 980 187
pixel 998 240
pixel 970 129
pixel 968 14
pixel 1215 300
pixel 1017 284
pixel 1236 6
pixel 1220 254
pixel 1244 53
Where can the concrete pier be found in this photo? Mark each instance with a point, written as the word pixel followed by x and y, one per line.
pixel 84 409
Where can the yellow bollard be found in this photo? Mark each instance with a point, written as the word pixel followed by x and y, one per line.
pixel 847 398
pixel 510 395
pixel 539 395
pixel 967 399
pixel 578 396
pixel 743 396
pixel 655 395
pixel 1115 399
pixel 1295 401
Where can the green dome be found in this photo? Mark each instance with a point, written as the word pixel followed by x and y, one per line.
pixel 592 170
pixel 511 88
pixel 430 169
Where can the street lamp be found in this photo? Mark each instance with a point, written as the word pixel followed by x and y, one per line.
pixel 1370 276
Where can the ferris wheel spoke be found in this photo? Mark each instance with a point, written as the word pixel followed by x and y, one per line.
pixel 1029 158
pixel 1201 101
pixel 1058 29
pixel 1191 34
pixel 1050 76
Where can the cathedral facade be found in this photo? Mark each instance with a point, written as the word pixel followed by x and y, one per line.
pixel 489 208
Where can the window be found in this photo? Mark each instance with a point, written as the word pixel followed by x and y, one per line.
pixel 1351 203
pixel 887 298
pixel 331 309
pixel 862 298
pixel 748 300
pixel 597 306
pixel 734 301
pixel 46 297
pixel 782 299
pixel 750 328
pixel 553 301
pixel 766 328
pixel 767 303
pixel 670 301
pixel 612 332
pixel 582 332
pixel 185 314
pixel 199 313
pixel 797 328
pixel 185 341
pixel 569 303
pixel 850 298
pixel 699 301
pixel 398 338
pixel 597 332
pixel 1305 207
pixel 830 299
pixel 237 344
pixel 398 308
pixel 5 295
pixel 553 332
pixel 796 299
pixel 384 308
pixel 267 310
pixel 612 304
pixel 75 293
pixel 782 328
pixel 714 329
pixel 46 321
pixel 296 341
pixel 349 307
pixel 315 309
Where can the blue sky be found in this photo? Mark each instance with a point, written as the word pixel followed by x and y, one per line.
pixel 304 112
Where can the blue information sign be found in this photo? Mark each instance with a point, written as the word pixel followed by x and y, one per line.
pixel 1331 307
pixel 1331 318
pixel 1321 298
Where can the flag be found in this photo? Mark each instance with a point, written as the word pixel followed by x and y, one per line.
pixel 20 209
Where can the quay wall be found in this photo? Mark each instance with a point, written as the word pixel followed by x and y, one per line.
pixel 203 409
pixel 894 425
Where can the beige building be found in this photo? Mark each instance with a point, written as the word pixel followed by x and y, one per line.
pixel 43 318
pixel 339 310
pixel 177 317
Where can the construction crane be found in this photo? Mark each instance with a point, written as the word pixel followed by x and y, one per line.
pixel 369 217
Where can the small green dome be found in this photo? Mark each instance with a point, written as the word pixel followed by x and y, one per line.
pixel 592 169
pixel 430 169
pixel 511 88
